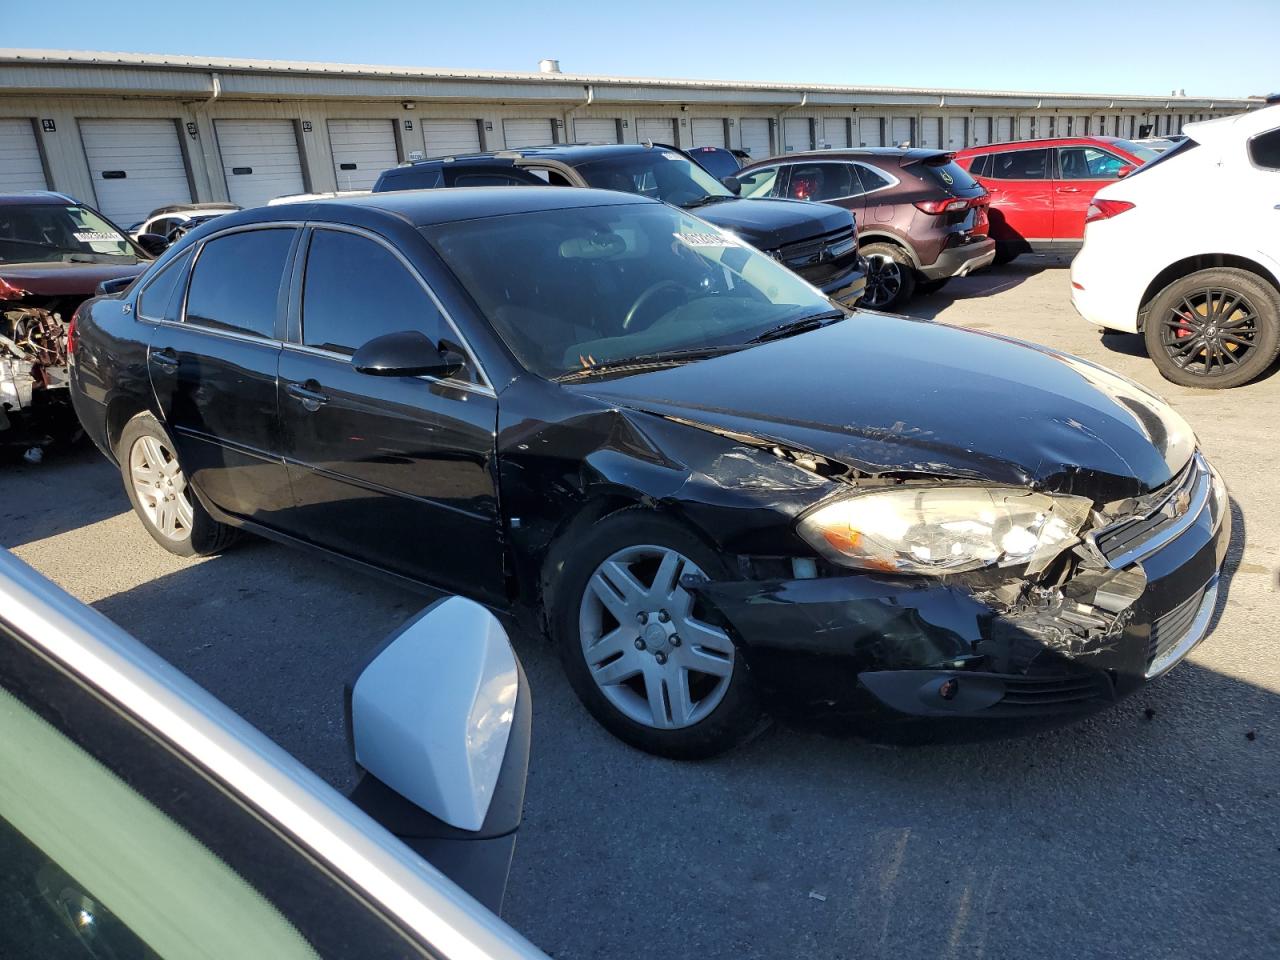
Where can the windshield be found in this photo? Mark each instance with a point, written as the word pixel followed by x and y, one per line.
pixel 569 289
pixel 1145 154
pixel 49 232
pixel 657 173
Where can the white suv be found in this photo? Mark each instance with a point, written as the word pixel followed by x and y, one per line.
pixel 1186 250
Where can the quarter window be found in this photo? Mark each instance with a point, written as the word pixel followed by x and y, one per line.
pixel 1089 163
pixel 823 181
pixel 979 166
pixel 1020 165
pixel 758 183
pixel 872 179
pixel 237 279
pixel 356 290
pixel 1264 150
pixel 157 300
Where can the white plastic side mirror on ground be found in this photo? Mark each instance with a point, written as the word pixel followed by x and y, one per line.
pixel 432 712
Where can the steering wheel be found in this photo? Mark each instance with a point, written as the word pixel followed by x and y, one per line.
pixel 652 291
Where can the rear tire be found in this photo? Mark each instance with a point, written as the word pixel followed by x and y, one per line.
pixel 891 277
pixel 1214 329
pixel 633 652
pixel 158 489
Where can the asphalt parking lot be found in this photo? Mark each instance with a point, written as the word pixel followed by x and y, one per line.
pixel 1152 830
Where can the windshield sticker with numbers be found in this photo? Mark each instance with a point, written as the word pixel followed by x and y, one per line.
pixel 89 236
pixel 706 240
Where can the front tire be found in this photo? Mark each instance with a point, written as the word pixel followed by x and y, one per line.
pixel 1214 329
pixel 638 648
pixel 161 497
pixel 891 277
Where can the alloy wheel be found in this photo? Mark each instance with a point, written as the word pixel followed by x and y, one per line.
pixel 646 649
pixel 884 280
pixel 1209 332
pixel 161 487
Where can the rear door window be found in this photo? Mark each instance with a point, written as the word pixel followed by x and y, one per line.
pixel 1089 163
pixel 1020 165
pixel 823 181
pixel 236 283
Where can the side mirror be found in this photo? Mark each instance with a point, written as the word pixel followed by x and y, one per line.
pixel 406 354
pixel 113 286
pixel 733 183
pixel 1124 171
pixel 439 719
pixel 153 243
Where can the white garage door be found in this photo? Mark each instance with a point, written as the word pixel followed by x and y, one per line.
pixel 901 129
pixel 658 131
pixel 594 130
pixel 136 166
pixel 1079 126
pixel 1024 128
pixel 981 130
pixel 260 160
pixel 527 133
pixel 1004 129
pixel 362 149
pixel 835 132
pixel 956 133
pixel 797 134
pixel 20 167
pixel 451 138
pixel 931 132
pixel 870 132
pixel 755 137
pixel 708 132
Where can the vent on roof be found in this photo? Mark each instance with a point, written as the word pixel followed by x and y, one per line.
pixel 548 66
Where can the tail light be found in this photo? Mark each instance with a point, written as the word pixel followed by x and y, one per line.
pixel 71 333
pixel 937 207
pixel 1106 209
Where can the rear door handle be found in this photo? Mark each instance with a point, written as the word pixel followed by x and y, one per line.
pixel 1068 189
pixel 309 395
pixel 165 358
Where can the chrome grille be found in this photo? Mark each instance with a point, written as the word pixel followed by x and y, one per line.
pixel 824 249
pixel 1170 511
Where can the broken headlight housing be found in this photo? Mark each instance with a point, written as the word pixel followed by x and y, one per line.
pixel 939 530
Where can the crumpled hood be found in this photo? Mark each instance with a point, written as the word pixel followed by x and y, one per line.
pixel 66 279
pixel 888 394
pixel 768 224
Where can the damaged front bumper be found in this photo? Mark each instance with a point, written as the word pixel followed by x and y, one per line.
pixel 898 654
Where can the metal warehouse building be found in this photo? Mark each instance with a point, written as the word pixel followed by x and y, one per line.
pixel 130 132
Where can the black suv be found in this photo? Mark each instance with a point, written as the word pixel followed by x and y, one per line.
pixel 819 243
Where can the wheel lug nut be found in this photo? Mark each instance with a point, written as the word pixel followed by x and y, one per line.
pixel 663 616
pixel 642 617
pixel 675 639
pixel 660 657
pixel 639 643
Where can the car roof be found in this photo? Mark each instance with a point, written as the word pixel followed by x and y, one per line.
pixel 192 208
pixel 842 153
pixel 1040 143
pixel 37 197
pixel 569 153
pixel 429 207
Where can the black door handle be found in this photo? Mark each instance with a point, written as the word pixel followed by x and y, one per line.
pixel 166 358
pixel 308 394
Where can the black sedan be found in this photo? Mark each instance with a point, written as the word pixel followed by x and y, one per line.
pixel 718 492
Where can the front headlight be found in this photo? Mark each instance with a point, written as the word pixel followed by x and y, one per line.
pixel 936 530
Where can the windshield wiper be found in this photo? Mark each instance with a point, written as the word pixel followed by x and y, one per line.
pixel 709 198
pixel 792 327
pixel 647 360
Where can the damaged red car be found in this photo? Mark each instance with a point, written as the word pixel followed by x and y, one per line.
pixel 53 254
pixel 720 494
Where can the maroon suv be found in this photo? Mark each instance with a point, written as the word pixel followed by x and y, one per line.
pixel 921 218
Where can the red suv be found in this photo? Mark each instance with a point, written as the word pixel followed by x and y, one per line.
pixel 1041 189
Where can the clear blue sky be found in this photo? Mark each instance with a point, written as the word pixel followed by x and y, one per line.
pixel 1223 48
